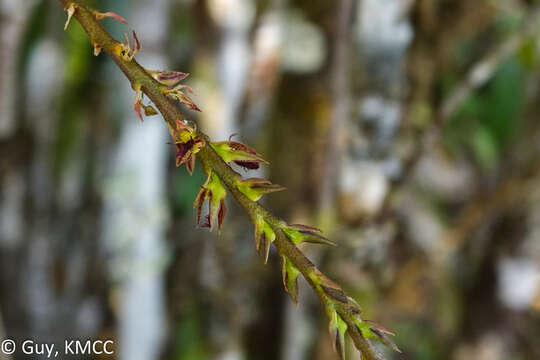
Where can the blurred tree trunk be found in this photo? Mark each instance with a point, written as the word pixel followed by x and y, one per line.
pixel 48 218
pixel 134 200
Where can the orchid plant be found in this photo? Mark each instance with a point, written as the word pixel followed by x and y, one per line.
pixel 164 88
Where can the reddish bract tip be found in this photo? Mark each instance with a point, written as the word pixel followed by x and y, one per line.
pixel 113 15
pixel 137 108
pixel 137 42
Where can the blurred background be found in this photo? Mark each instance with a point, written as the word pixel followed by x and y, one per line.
pixel 406 129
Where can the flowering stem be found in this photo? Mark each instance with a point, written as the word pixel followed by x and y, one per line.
pixel 141 79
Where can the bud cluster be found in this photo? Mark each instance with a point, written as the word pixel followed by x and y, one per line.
pixel 188 143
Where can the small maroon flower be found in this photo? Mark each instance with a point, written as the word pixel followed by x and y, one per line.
pixel 187 144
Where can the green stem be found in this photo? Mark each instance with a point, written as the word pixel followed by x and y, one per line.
pixel 138 77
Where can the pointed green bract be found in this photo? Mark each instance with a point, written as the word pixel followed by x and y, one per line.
pixel 372 330
pixel 337 327
pixel 217 196
pixel 239 153
pixel 264 237
pixel 290 278
pixel 213 191
pixel 300 233
pixel 255 188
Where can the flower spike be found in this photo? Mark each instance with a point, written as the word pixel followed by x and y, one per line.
pixel 344 312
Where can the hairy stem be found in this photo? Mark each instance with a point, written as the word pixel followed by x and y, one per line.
pixel 139 77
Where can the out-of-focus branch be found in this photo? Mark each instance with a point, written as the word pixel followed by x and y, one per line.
pixel 478 76
pixel 343 310
pixel 510 192
pixel 341 106
pixel 13 18
pixel 482 71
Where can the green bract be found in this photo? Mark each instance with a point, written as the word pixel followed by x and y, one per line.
pixel 301 233
pixel 213 191
pixel 264 237
pixel 337 327
pixel 290 278
pixel 255 188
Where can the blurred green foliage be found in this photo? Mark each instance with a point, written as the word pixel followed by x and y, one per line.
pixel 489 119
pixel 189 337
